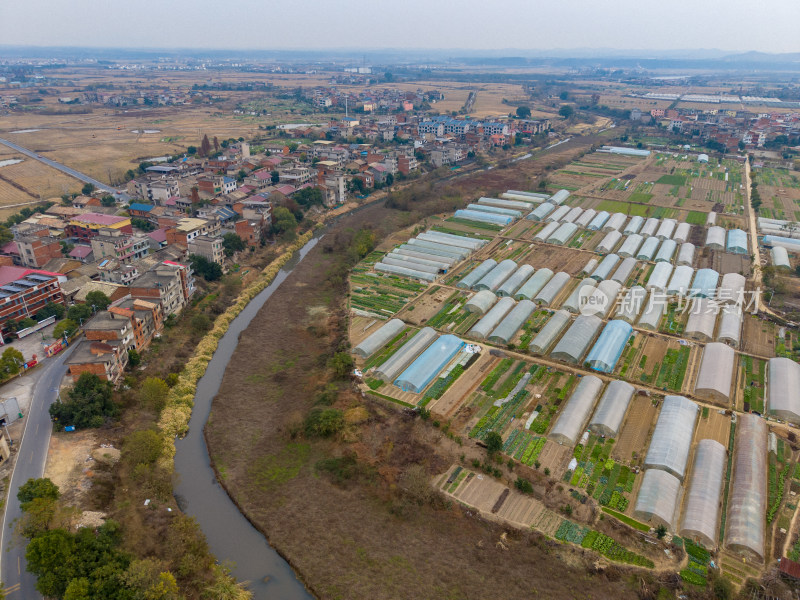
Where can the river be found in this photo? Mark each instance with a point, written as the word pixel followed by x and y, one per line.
pixel 230 535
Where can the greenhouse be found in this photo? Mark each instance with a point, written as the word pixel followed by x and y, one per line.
pixel 492 318
pixel 563 234
pixel 648 249
pixel 541 211
pixel 686 254
pixel 600 301
pixel 701 509
pixel 437 248
pixel 374 342
pixel 672 438
pixel 553 288
pixel 395 365
pixel 548 334
pixel 573 301
pixel 404 271
pixel 680 281
pixel 512 204
pixel 474 276
pixel 496 210
pixel 605 267
pixel 649 228
pixel 747 501
pixel 598 221
pixel 483 217
pixel 624 270
pixel 711 219
pixel 611 410
pixel 558 214
pixel 731 289
pixel 509 326
pixel 730 325
pixel 780 257
pixel 631 304
pixel 634 225
pixel 704 284
pixel 606 351
pixel 737 242
pixel 534 285
pixel 784 389
pixel 658 498
pixel 513 283
pixel 682 232
pixel 432 266
pixel 427 253
pixel 653 311
pixel 495 278
pixel 716 373
pixel 702 320
pixel 452 240
pixel 791 245
pixel 532 196
pixel 559 197
pixel 422 258
pixel 715 238
pixel 580 335
pixel 659 277
pixel 666 229
pixel 609 242
pixel 546 232
pixel 666 251
pixel 586 217
pixel 631 245
pixel 572 421
pixel 590 266
pixel 573 214
pixel 521 198
pixel 481 302
pixel 428 364
pixel 615 222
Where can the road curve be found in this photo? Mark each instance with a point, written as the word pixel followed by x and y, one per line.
pixel 31 456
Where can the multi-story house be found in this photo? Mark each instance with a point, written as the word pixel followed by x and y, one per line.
pixel 188 228
pixel 125 248
pixel 146 318
pixel 169 283
pixel 208 247
pixel 88 225
pixel 107 360
pixel 107 326
pixel 24 292
pixel 35 251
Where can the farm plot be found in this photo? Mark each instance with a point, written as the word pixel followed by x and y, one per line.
pixel 441 309
pixel 497 386
pixel 753 374
pixel 453 399
pixel 788 345
pixel 631 443
pixel 713 425
pixel 673 368
pixel 758 336
pixel 646 362
pixel 381 294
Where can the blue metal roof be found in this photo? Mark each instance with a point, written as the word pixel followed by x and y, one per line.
pixel 141 207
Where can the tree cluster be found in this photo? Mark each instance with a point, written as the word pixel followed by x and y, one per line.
pixel 89 403
pixel 210 271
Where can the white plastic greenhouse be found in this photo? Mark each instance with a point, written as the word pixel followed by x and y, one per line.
pixel 396 363
pixel 658 498
pixel 606 351
pixel 666 229
pixel 552 289
pixel 418 245
pixel 654 308
pixel 731 289
pixel 615 222
pixel 686 254
pixel 624 270
pixel 404 271
pixel 495 278
pixel 609 242
pixel 682 232
pixel 705 283
pixel 559 197
pixel 480 216
pixel 572 421
pixel 715 238
pixel 586 217
pixel 659 277
pixel 784 389
pixel 558 214
pixel 428 364
pixel 666 251
pixel 681 281
pixel 541 211
pixel 648 249
pixel 477 273
pixel 736 242
pixel 550 332
pixel 711 219
pixel 492 318
pixel 453 240
pixel 515 281
pixel 506 203
pixel 429 260
pixel 546 232
pixel 672 438
pixel 496 210
pixel 747 501
pixel 602 299
pixel 573 301
pixel 649 228
pixel 410 263
pixel 716 373
pixel 591 265
pixel 563 234
pixel 534 285
pixel 780 257
pixel 377 340
pixel 730 325
pixel 572 215
pixel 608 417
pixel 426 253
pixel 701 509
pixel 631 245
pixel 631 304
pixel 598 221
pixel 702 320
pixel 481 302
pixel 509 326
pixel 580 335
pixel 606 266
pixel 634 225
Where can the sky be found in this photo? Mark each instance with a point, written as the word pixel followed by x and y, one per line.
pixel 731 25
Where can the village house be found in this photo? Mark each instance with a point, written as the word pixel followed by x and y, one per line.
pixel 106 360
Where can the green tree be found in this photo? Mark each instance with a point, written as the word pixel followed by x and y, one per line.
pixel 87 189
pixel 324 422
pixel 78 312
pixel 191 150
pixel 523 112
pixel 27 322
pixel 67 326
pixel 89 403
pixel 566 111
pixel 389 179
pixel 11 361
pixel 142 447
pixel 51 309
pixel 153 393
pixel 37 488
pixel 200 323
pixel 341 364
pixel 523 485
pixel 134 358
pixel 283 221
pixel 98 300
pixel 209 270
pixel 108 201
pixel 275 177
pixel 494 443
pixel 661 531
pixel 232 243
pixel 241 175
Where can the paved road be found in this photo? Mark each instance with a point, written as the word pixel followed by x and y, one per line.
pixel 31 457
pixel 69 171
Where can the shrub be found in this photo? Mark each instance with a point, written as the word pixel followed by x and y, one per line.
pixel 142 447
pixel 523 485
pixel 323 422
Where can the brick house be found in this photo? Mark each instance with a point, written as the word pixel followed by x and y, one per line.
pixel 107 360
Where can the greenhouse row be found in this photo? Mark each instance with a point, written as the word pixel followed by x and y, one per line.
pixel 427 365
pixel 784 389
pixel 513 204
pixel 701 509
pixel 573 418
pixel 780 257
pixel 672 438
pixel 374 342
pixel 658 497
pixel 606 351
pixel 400 360
pixel 611 410
pixel 733 241
pixel 715 377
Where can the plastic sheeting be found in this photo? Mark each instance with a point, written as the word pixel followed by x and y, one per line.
pixel 730 325
pixel 559 197
pixel 491 319
pixel 658 498
pixel 563 234
pixel 701 509
pixel 495 210
pixel 548 334
pixel 598 221
pixel 711 219
pixel 483 217
pixel 532 196
pixel 649 228
pixel 406 250
pixel 784 389
pixel 553 288
pixel 423 260
pixel 477 274
pixel 586 217
pixel 513 283
pixel 631 304
pixel 736 242
pixel 747 500
pixel 686 254
pixel 558 214
pixel 791 245
pixel 631 245
pixel 453 240
pixel 654 309
pixel 410 263
pixel 541 211
pixel 601 300
pixel 573 301
pixel 605 267
pixel 606 351
pixel 682 232
pixel 624 270
pixel 611 410
pixel 404 271
pixel 648 249
pixel 572 421
pixel 666 229
pixel 400 360
pixel 716 373
pixel 534 285
pixel 428 364
pixel 572 215
pixel 634 225
pixel 702 320
pixel 609 242
pixel 681 281
pixel 591 265
pixel 731 289
pixel 506 203
pixel 780 257
pixel 666 251
pixel 573 345
pixel 704 284
pixel 495 278
pixel 481 302
pixel 509 326
pixel 546 232
pixel 659 277
pixel 672 438
pixel 438 248
pixel 377 340
pixel 615 222
pixel 715 238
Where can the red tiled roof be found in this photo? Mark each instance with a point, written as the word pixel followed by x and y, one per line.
pixel 80 251
pixel 159 235
pixel 10 248
pixel 98 219
pixel 789 567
